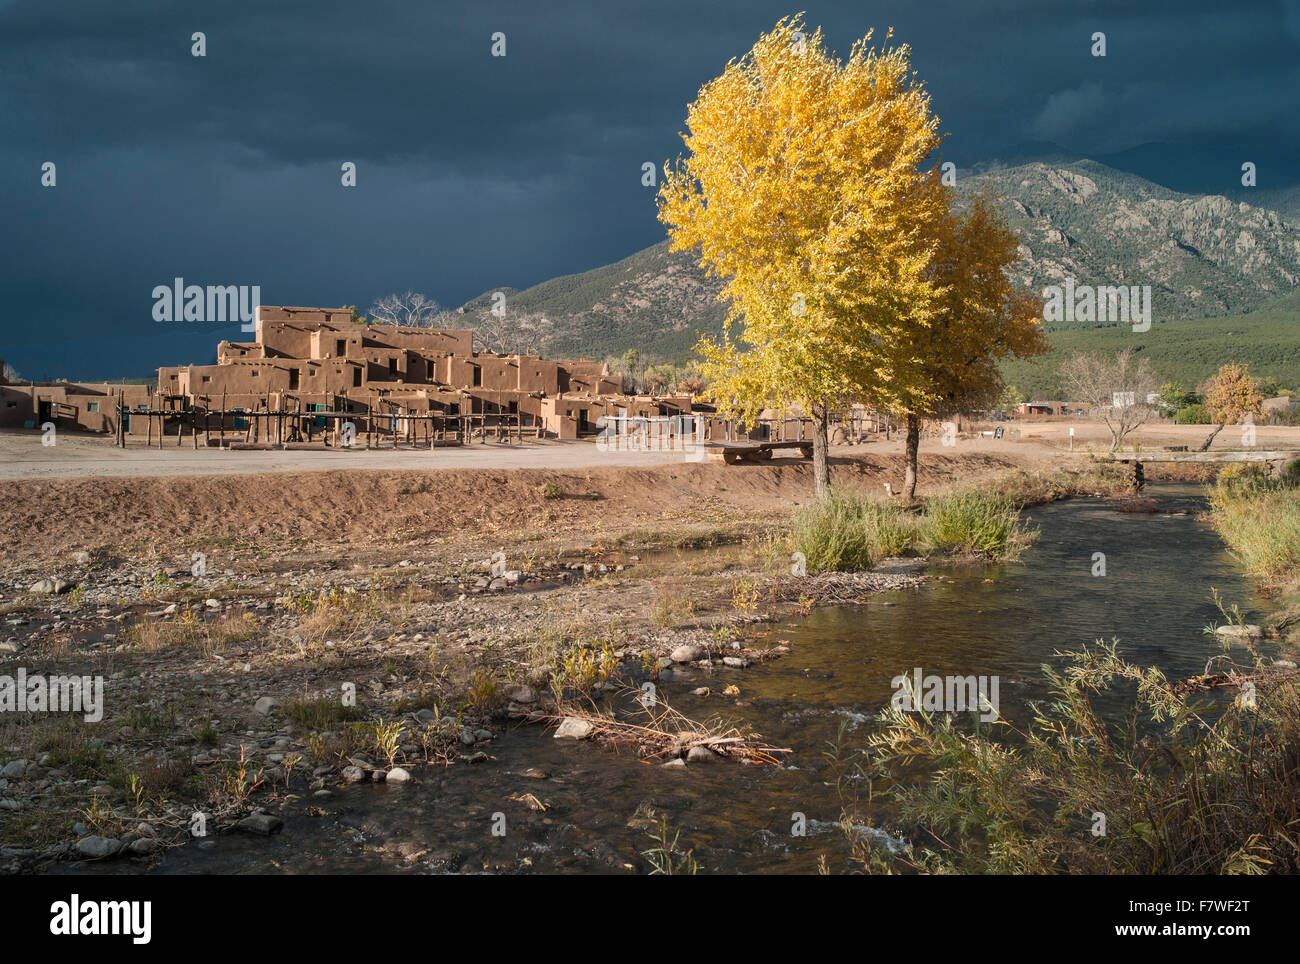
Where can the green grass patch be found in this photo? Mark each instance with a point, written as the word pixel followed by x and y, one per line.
pixel 848 531
pixel 1259 519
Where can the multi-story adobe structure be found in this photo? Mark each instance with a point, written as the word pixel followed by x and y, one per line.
pixel 318 360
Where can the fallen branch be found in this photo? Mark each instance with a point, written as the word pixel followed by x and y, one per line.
pixel 667 734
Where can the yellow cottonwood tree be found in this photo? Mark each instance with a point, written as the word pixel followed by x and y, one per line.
pixel 803 191
pixel 982 319
pixel 1231 395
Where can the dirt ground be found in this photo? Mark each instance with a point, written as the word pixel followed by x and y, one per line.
pixel 84 493
pixel 223 686
pixel 46 517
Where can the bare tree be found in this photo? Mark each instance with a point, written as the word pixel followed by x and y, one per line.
pixel 1114 389
pixel 410 308
pixel 519 335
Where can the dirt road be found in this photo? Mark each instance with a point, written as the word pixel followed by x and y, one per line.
pixel 22 456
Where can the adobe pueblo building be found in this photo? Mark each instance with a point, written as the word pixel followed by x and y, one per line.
pixel 81 406
pixel 310 372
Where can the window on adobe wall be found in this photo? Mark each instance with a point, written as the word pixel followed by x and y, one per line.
pixel 356 377
pixel 392 366
pixel 92 406
pixel 478 376
pixel 255 374
pixel 293 378
pixel 341 347
pixel 207 378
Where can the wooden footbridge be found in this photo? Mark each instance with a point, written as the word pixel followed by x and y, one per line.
pixel 1277 459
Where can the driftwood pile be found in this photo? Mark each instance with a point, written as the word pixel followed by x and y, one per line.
pixel 664 735
pixel 829 588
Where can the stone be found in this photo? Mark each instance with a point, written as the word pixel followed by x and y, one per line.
pixel 700 754
pixel 679 762
pixel 398 775
pixel 96 847
pixel 145 846
pixel 572 728
pixel 513 576
pixel 519 693
pixel 81 557
pixel 686 653
pixel 736 662
pixel 50 587
pixel 467 737
pixel 14 770
pixel 10 646
pixel 263 706
pixel 260 823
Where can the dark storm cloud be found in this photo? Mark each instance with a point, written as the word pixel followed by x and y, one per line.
pixel 475 172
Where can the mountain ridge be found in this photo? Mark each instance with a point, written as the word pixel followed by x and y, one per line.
pixel 1204 256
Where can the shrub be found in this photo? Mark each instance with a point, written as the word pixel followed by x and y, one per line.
pixel 1192 415
pixel 847 531
pixel 975 523
pixel 1259 518
pixel 1184 787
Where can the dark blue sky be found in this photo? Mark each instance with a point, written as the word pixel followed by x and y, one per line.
pixel 476 172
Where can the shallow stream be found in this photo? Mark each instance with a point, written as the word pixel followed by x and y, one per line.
pixel 1155 598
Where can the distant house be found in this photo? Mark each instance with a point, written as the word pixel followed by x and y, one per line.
pixel 1040 408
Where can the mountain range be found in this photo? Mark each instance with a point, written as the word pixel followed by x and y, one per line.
pixel 1205 256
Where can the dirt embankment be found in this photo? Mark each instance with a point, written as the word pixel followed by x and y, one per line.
pixel 40 518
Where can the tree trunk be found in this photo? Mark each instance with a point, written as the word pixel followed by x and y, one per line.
pixel 821 449
pixel 913 444
pixel 1205 446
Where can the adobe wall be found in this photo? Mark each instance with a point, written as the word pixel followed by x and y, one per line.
pixel 78 406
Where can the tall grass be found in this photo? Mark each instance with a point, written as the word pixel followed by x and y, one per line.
pixel 849 531
pixel 1259 518
pixel 846 531
pixel 1174 784
pixel 975 523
